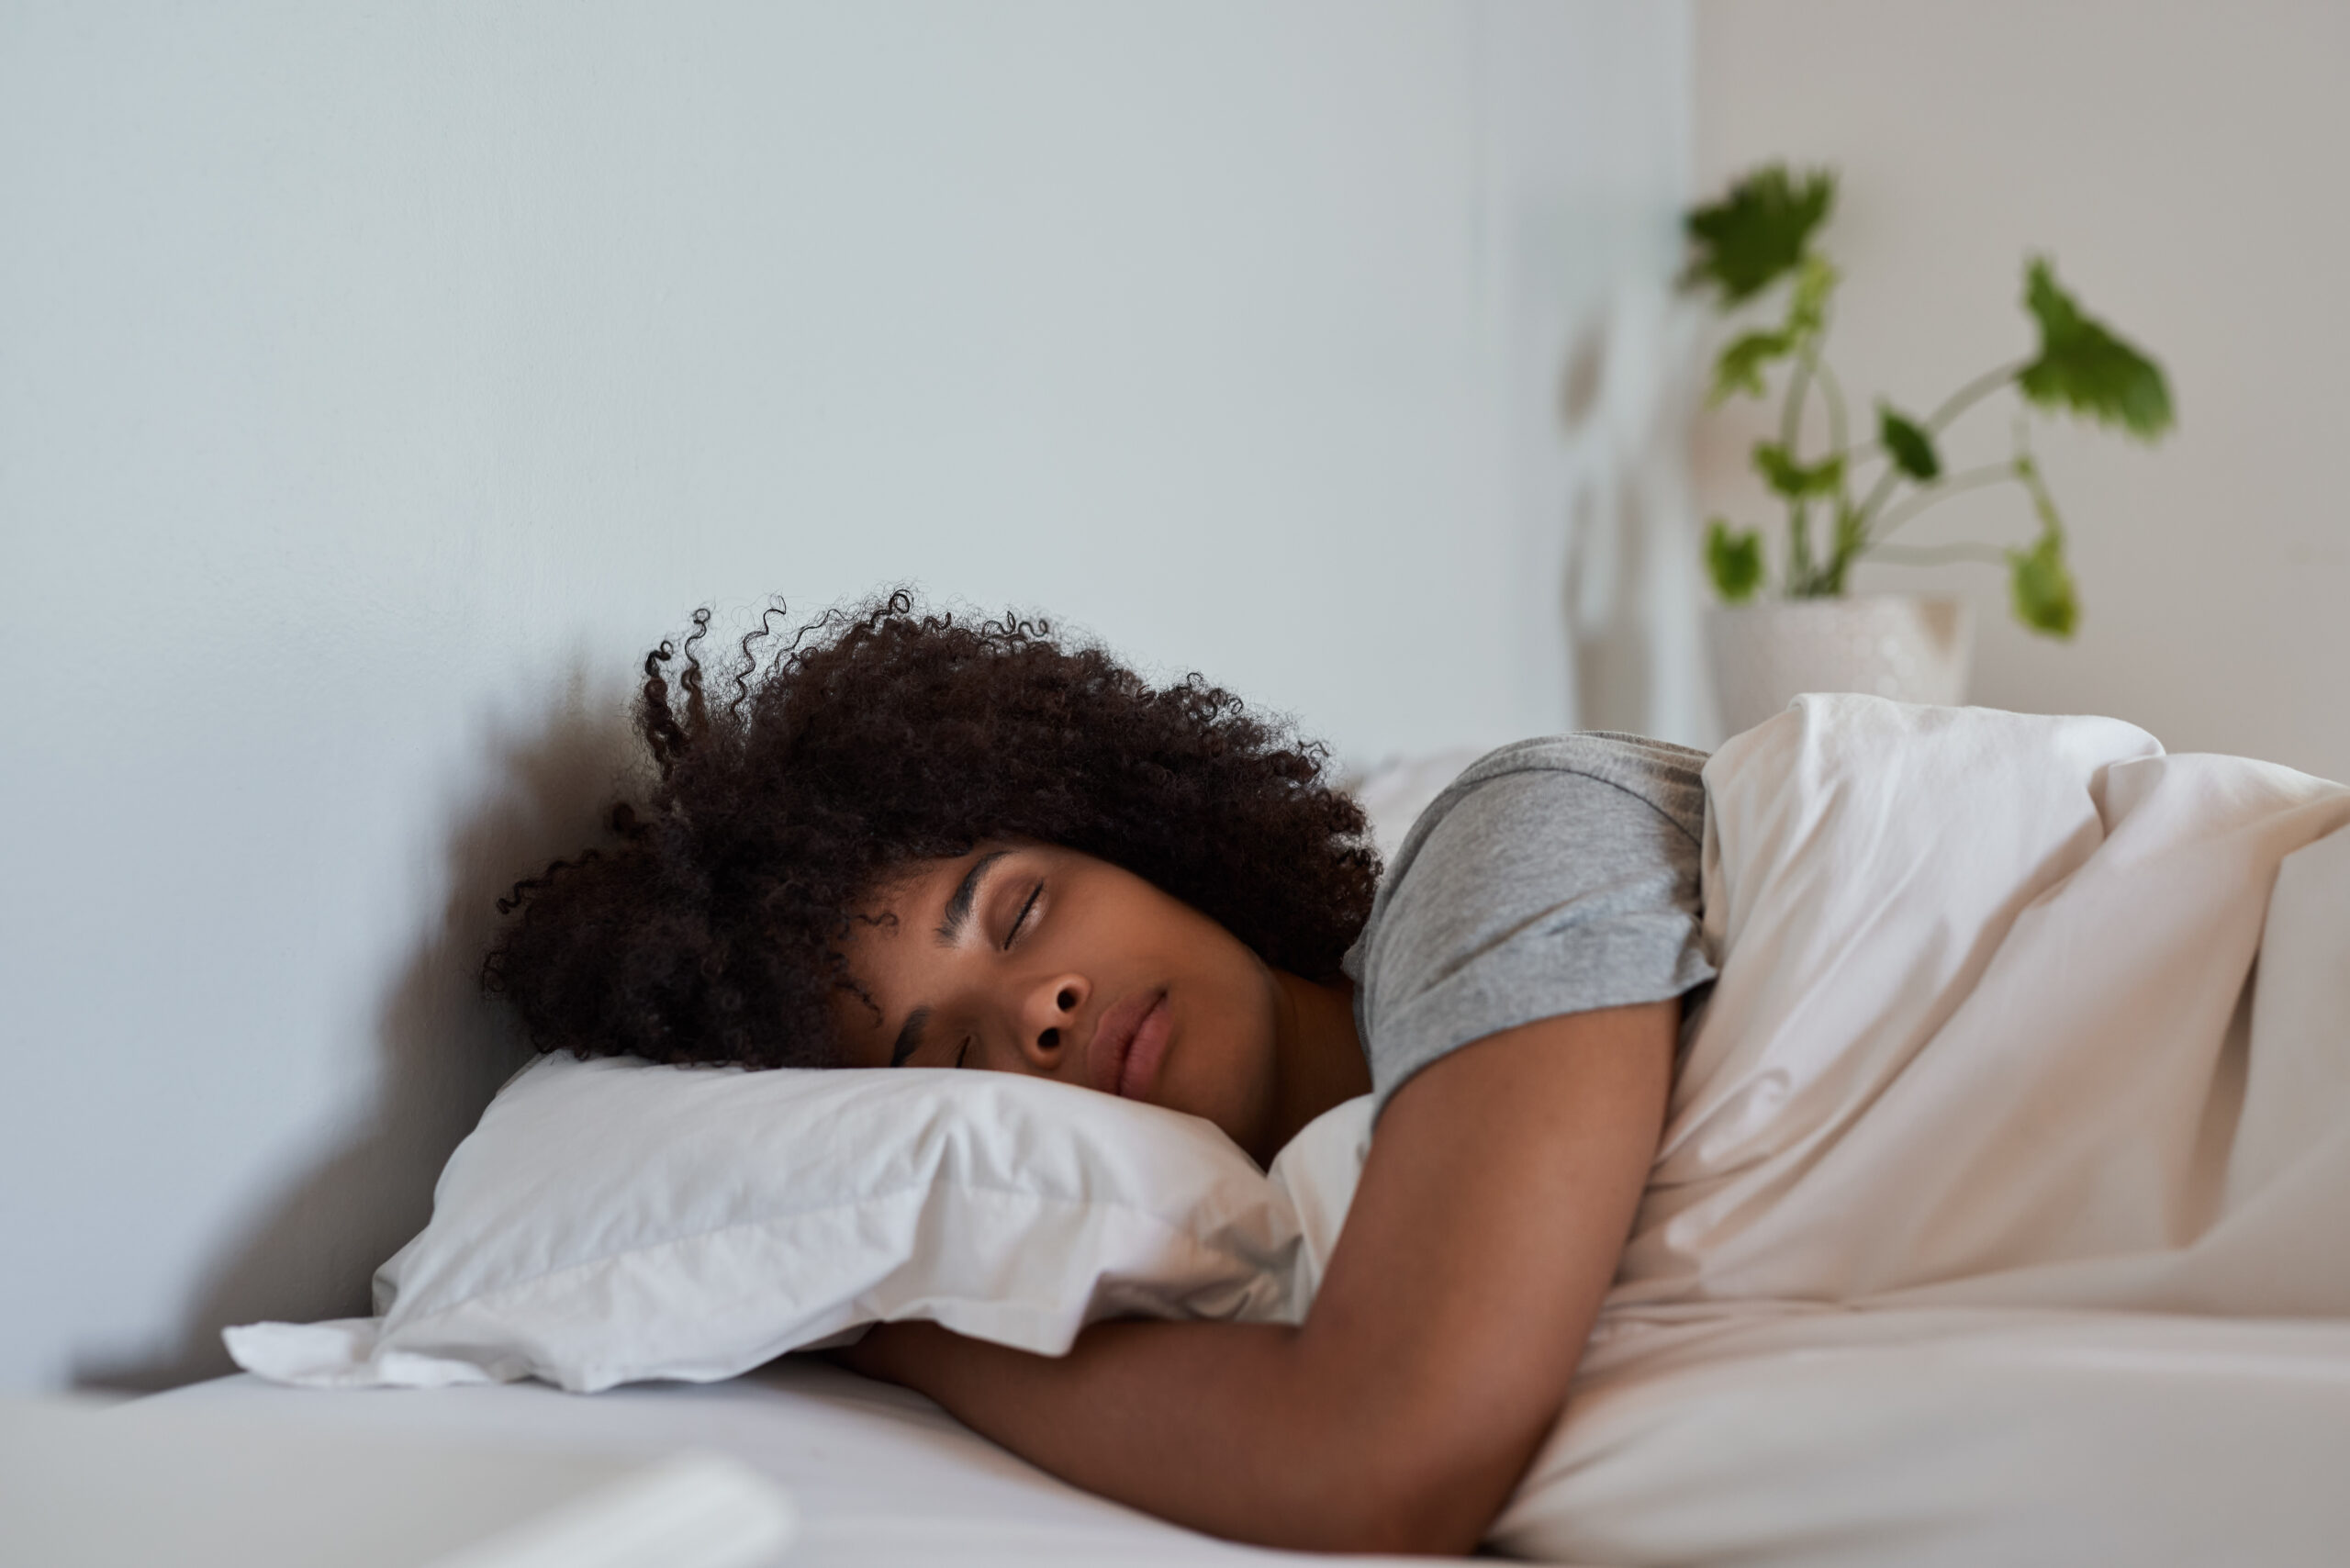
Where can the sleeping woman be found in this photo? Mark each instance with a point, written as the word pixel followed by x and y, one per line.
pixel 909 840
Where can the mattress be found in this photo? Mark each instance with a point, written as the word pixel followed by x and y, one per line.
pixel 879 1475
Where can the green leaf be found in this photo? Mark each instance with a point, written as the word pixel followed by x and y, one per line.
pixel 2039 584
pixel 1807 308
pixel 2042 587
pixel 1792 479
pixel 1850 539
pixel 1735 560
pixel 1756 234
pixel 1911 449
pixel 2043 505
pixel 2085 367
pixel 1740 368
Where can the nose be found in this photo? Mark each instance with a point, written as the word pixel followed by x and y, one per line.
pixel 1048 1019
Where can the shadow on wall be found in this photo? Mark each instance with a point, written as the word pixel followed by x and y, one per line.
pixel 444 1049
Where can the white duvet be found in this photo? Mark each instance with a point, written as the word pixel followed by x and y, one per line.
pixel 2003 1211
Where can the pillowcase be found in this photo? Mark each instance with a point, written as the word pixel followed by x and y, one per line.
pixel 611 1220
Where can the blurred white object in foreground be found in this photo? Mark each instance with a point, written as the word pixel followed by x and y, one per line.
pixel 83 1486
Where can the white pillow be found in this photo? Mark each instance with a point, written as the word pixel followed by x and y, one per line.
pixel 610 1221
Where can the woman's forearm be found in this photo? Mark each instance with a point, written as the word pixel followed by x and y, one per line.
pixel 1221 1426
pixel 1483 1238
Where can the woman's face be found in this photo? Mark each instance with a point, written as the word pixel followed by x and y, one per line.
pixel 1028 958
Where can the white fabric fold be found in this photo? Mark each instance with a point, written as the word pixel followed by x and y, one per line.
pixel 1999 1214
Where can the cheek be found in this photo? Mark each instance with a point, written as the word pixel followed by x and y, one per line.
pixel 1224 1067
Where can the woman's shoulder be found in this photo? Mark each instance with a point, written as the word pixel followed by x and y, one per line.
pixel 1566 776
pixel 1558 874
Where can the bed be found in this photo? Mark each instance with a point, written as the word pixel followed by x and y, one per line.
pixel 1999 1215
pixel 879 1476
pixel 1920 1439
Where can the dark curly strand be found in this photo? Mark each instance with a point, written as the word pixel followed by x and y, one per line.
pixel 880 737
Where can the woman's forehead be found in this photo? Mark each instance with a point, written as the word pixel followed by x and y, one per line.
pixel 902 893
pixel 895 941
pixel 912 918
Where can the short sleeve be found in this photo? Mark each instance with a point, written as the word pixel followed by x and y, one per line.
pixel 1560 876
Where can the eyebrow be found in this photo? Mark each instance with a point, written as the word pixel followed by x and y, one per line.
pixel 909 1036
pixel 958 908
pixel 950 931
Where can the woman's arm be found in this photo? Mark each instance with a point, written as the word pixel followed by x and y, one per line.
pixel 1399 1416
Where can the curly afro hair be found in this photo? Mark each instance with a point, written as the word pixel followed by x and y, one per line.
pixel 877 737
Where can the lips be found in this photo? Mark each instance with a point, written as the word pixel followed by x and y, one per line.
pixel 1123 1057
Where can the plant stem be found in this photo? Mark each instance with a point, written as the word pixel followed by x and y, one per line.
pixel 1828 581
pixel 1974 392
pixel 1803 580
pixel 1834 393
pixel 1877 493
pixel 1799 515
pixel 1957 403
pixel 1791 412
pixel 1938 492
pixel 1935 554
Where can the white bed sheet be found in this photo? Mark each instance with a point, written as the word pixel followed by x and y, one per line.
pixel 881 1475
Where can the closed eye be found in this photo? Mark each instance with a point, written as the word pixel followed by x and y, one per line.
pixel 1021 918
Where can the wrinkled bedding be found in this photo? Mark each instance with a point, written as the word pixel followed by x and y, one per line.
pixel 2003 1209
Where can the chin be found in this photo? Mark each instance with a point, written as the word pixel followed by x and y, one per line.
pixel 1220 1061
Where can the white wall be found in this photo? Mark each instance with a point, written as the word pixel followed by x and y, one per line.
pixel 2183 161
pixel 377 382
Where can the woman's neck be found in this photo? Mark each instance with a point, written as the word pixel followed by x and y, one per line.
pixel 1320 1059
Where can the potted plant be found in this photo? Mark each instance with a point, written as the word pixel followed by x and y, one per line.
pixel 1755 244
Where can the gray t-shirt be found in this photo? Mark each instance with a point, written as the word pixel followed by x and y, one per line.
pixel 1557 875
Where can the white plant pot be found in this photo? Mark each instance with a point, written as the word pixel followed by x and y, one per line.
pixel 1899 645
